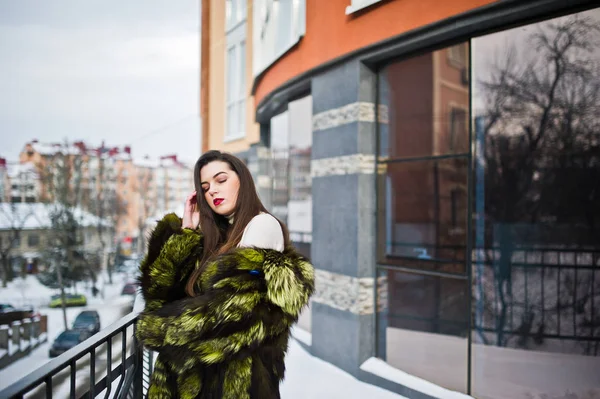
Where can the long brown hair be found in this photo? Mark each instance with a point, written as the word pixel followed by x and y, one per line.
pixel 219 235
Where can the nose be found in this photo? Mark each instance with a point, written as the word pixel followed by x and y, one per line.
pixel 212 192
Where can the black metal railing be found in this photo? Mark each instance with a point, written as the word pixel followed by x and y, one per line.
pixel 532 296
pixel 110 364
pixel 523 296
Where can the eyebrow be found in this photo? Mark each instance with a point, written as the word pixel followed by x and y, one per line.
pixel 216 174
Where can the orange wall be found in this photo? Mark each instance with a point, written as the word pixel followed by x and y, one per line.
pixel 331 33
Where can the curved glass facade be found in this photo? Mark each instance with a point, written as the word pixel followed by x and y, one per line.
pixel 488 182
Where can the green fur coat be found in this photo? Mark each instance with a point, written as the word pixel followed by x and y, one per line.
pixel 230 340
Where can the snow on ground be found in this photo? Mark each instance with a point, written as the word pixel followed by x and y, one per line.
pixel 26 292
pixel 308 377
pixel 110 308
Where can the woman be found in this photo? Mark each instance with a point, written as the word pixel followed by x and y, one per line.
pixel 222 286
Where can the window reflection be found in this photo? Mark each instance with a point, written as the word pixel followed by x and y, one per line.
pixel 536 277
pixel 291 185
pixel 423 214
pixel 424 321
pixel 427 98
pixel 422 186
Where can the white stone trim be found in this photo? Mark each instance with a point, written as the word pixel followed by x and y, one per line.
pixel 343 165
pixel 351 294
pixel 354 112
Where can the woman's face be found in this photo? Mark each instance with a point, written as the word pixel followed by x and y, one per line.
pixel 220 186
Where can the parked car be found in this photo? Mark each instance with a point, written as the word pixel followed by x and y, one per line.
pixel 6 307
pixel 70 300
pixel 67 340
pixel 87 320
pixel 129 289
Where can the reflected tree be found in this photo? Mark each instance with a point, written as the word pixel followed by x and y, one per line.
pixel 542 168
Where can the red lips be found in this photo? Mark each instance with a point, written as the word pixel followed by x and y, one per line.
pixel 218 201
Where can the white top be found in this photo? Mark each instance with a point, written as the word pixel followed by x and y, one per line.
pixel 263 231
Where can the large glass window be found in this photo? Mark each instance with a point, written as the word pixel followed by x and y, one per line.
pixel 519 214
pixel 423 186
pixel 236 91
pixel 291 147
pixel 536 277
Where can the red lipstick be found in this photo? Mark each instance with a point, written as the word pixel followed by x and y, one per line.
pixel 218 201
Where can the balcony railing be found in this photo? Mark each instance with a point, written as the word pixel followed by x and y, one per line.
pixel 110 364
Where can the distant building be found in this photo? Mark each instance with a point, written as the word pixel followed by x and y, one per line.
pixel 26 229
pixel 174 182
pixel 107 181
pixel 24 183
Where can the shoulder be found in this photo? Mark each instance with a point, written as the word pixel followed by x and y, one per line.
pixel 263 231
pixel 265 221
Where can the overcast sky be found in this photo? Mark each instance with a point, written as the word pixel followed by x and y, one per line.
pixel 126 72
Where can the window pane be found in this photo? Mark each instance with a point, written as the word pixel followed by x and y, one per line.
pixel 299 220
pixel 231 118
pixel 536 269
pixel 241 117
pixel 241 93
pixel 424 104
pixel 242 9
pixel 423 326
pixel 423 214
pixel 231 75
pixel 280 143
pixel 284 14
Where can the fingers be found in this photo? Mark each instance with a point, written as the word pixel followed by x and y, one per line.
pixel 191 196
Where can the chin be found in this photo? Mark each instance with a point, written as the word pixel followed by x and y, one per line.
pixel 223 212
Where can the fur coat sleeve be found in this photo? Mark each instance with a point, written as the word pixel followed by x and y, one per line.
pixel 249 296
pixel 171 256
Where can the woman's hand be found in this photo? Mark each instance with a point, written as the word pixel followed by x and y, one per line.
pixel 191 215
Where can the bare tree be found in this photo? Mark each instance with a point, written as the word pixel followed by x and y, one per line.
pixel 542 163
pixel 146 202
pixel 63 178
pixel 15 216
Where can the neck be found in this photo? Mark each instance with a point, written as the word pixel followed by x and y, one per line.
pixel 230 218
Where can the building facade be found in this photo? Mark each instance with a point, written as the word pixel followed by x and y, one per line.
pixel 105 181
pixel 438 162
pixel 27 234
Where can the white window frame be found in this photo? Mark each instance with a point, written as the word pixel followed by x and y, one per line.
pixel 235 13
pixel 357 5
pixel 235 83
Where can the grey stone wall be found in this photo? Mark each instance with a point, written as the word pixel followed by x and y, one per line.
pixel 343 189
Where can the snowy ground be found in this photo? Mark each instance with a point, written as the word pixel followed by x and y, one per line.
pixel 308 377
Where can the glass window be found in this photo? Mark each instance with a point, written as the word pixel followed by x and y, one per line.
pixel 33 240
pixel 235 12
pixel 236 91
pixel 423 326
pixel 536 288
pixel 423 107
pixel 242 89
pixel 423 193
pixel 280 143
pixel 423 214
